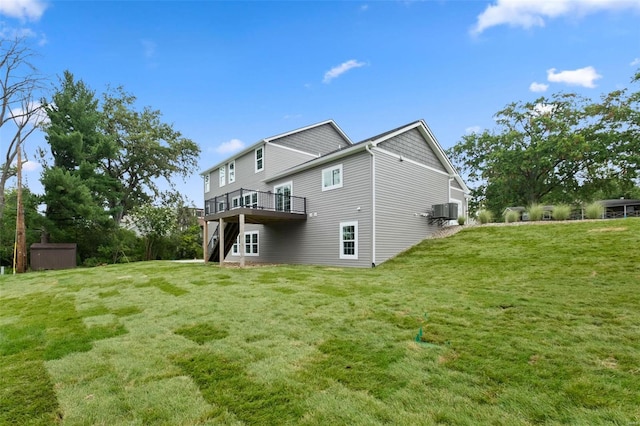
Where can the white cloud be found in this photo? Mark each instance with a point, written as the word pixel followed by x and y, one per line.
pixel 635 62
pixel 149 48
pixel 234 145
pixel 31 166
pixel 7 32
pixel 584 77
pixel 538 87
pixel 534 13
pixel 30 10
pixel 364 7
pixel 473 129
pixel 542 109
pixel 337 71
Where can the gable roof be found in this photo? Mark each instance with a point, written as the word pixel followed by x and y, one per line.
pixel 274 140
pixel 420 125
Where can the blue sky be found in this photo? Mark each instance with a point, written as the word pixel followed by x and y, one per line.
pixel 227 74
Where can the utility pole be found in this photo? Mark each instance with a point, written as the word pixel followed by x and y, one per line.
pixel 21 236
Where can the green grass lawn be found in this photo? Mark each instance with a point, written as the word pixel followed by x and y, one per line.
pixel 520 325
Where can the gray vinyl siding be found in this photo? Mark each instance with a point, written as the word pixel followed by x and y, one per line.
pixel 317 240
pixel 456 185
pixel 278 159
pixel 457 195
pixel 317 140
pixel 404 190
pixel 412 145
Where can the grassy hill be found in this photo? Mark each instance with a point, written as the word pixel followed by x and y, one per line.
pixel 519 325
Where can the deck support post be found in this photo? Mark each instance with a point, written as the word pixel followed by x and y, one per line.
pixel 241 242
pixel 221 241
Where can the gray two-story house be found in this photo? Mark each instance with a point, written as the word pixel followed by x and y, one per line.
pixel 312 196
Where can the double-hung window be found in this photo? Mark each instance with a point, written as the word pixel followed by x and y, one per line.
pixel 236 202
pixel 207 183
pixel 222 176
pixel 250 200
pixel 251 244
pixel 332 177
pixel 349 240
pixel 232 171
pixel 259 153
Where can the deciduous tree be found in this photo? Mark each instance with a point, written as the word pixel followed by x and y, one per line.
pixel 19 112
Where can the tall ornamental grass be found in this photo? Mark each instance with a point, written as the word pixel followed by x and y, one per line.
pixel 535 212
pixel 561 212
pixel 594 210
pixel 511 216
pixel 485 216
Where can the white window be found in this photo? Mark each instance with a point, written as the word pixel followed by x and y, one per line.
pixel 283 197
pixel 220 206
pixel 250 244
pixel 236 202
pixel 348 240
pixel 221 175
pixel 207 183
pixel 259 159
pixel 250 200
pixel 332 178
pixel 232 171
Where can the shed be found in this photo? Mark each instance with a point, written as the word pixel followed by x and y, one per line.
pixel 619 208
pixel 53 256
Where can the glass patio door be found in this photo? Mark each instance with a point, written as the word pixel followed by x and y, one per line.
pixel 283 197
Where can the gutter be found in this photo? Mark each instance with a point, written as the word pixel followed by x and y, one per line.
pixel 373 204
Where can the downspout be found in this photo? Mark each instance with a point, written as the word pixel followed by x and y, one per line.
pixel 373 204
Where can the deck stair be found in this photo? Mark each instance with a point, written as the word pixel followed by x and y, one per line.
pixel 231 231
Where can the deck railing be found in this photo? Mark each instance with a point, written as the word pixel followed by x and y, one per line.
pixel 259 200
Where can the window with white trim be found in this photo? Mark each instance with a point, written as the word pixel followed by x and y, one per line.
pixel 332 177
pixel 251 244
pixel 283 197
pixel 221 176
pixel 349 240
pixel 232 171
pixel 235 248
pixel 259 159
pixel 207 183
pixel 236 202
pixel 250 200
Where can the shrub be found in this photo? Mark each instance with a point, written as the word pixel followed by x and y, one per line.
pixel 485 216
pixel 511 216
pixel 594 210
pixel 561 212
pixel 461 220
pixel 535 212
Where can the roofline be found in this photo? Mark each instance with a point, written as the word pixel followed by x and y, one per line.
pixel 311 126
pixel 274 138
pixel 420 124
pixel 319 161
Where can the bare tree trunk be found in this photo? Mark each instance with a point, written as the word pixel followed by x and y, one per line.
pixel 19 82
pixel 21 236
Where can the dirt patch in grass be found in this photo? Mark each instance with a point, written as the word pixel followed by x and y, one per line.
pixel 609 229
